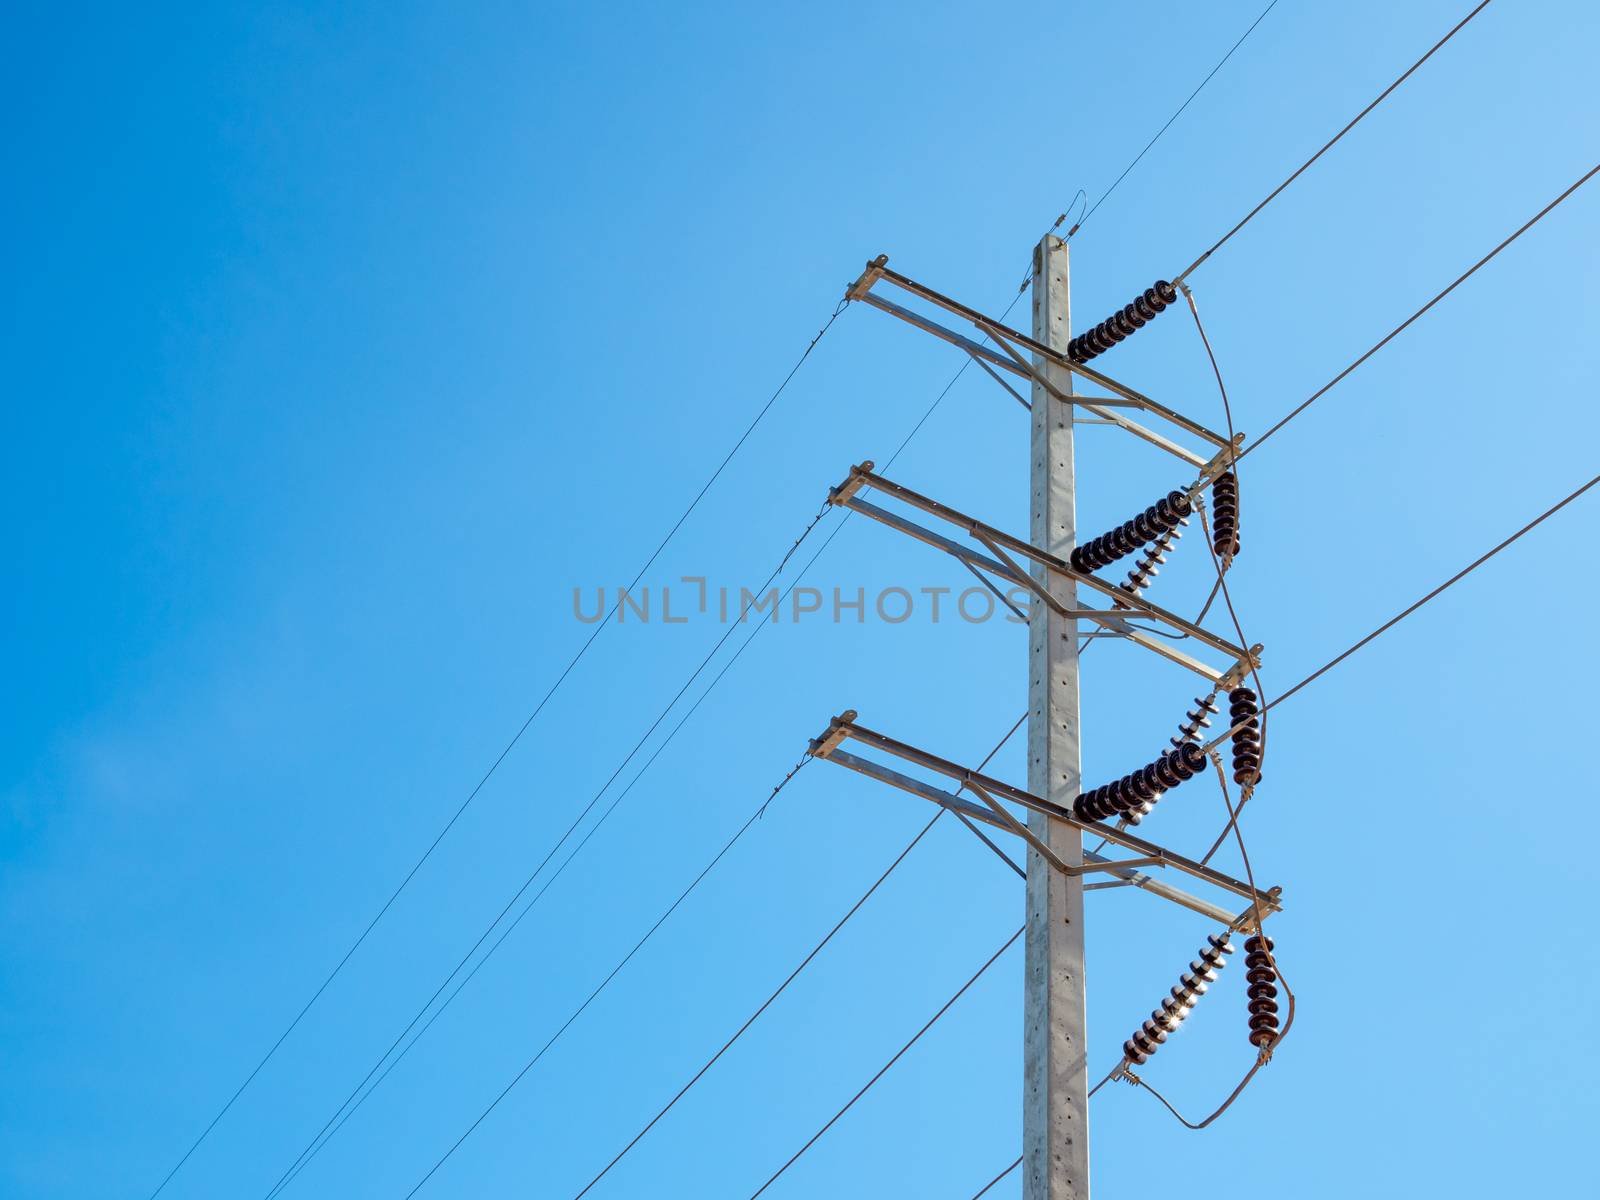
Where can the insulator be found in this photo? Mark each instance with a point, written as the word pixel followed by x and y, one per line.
pixel 1123 323
pixel 1225 516
pixel 1261 992
pixel 1155 522
pixel 1196 719
pixel 1133 796
pixel 1156 554
pixel 1165 1020
pixel 1244 717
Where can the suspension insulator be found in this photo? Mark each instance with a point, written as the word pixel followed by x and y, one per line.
pixel 1245 720
pixel 1196 719
pixel 1122 324
pixel 1161 518
pixel 1133 796
pixel 1150 562
pixel 1225 516
pixel 1261 991
pixel 1165 1020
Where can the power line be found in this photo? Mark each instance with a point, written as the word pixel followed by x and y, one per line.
pixel 506 933
pixel 811 562
pixel 1247 789
pixel 939 399
pixel 1084 220
pixel 1400 328
pixel 884 1070
pixel 804 963
pixel 782 987
pixel 906 441
pixel 1109 1076
pixel 1457 577
pixel 1354 121
pixel 1106 195
pixel 326 1131
pixel 316 1148
pixel 1222 1108
pixel 495 765
pixel 1382 342
pixel 984 1190
pixel 765 1004
pixel 1234 812
pixel 673 907
pixel 1406 612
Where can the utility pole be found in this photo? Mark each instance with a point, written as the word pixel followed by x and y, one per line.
pixel 1055 1124
pixel 1063 577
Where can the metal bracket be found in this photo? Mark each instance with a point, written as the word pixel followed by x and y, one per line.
pixel 870 276
pixel 1009 822
pixel 1220 462
pixel 1015 344
pixel 1235 675
pixel 853 483
pixel 994 814
pixel 1003 546
pixel 995 375
pixel 837 731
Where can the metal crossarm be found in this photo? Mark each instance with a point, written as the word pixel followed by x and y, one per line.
pixel 1009 356
pixel 991 812
pixel 1000 563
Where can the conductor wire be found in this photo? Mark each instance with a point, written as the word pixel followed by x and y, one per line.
pixel 1264 1055
pixel 1401 328
pixel 1221 563
pixel 884 1070
pixel 493 767
pixel 1148 146
pixel 1382 96
pixel 793 975
pixel 1084 220
pixel 984 1190
pixel 1411 608
pixel 356 1098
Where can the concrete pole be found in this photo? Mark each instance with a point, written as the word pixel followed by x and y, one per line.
pixel 1055 1122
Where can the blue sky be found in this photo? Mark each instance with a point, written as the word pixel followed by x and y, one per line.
pixel 344 343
